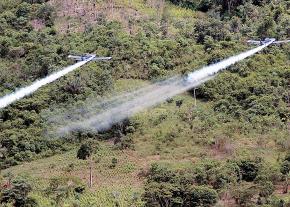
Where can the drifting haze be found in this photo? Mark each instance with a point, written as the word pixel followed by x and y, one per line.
pixel 98 116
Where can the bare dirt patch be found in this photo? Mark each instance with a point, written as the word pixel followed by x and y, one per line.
pixel 76 15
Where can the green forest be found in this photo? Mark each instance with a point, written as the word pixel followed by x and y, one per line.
pixel 231 148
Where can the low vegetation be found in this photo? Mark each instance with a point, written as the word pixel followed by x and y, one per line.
pixel 229 150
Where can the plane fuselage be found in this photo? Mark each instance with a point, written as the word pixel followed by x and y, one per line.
pixel 85 57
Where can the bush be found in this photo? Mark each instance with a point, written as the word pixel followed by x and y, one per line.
pixel 249 169
pixel 165 187
pixel 285 165
pixel 201 196
pixel 17 194
pixel 125 143
pixel 84 152
pixel 61 188
pixel 47 13
pixel 266 189
pixel 216 174
pixel 243 193
pixel 114 162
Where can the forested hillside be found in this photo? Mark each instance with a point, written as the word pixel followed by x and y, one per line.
pixel 231 149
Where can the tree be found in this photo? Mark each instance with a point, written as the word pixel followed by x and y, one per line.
pixel 18 194
pixel 4 46
pixel 285 170
pixel 114 162
pixel 191 4
pixel 47 13
pixel 164 22
pixel 214 28
pixel 218 175
pixel 243 193
pixel 266 28
pixel 161 194
pixel 60 188
pixel 85 151
pixel 201 196
pixel 249 169
pixel 266 189
pixel 165 187
pixel 179 103
pixel 285 167
pixel 35 1
pixel 23 10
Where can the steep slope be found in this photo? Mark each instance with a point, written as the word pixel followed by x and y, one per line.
pixel 231 147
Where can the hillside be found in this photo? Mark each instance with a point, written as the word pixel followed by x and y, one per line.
pixel 230 149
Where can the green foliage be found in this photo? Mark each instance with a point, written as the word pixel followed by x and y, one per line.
pixel 61 188
pixel 35 1
pixel 185 3
pixel 246 103
pixel 202 196
pixel 266 189
pixel 285 166
pixel 46 13
pixel 17 194
pixel 126 142
pixel 244 192
pixel 165 187
pixel 211 28
pixel 249 169
pixel 32 55
pixel 219 175
pixel 87 149
pixel 114 162
pixel 84 151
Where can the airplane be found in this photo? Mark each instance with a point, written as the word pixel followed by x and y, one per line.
pixel 88 56
pixel 267 40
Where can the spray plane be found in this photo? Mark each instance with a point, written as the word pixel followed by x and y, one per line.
pixel 88 56
pixel 266 41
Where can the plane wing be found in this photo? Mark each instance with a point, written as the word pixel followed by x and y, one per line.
pixel 254 42
pixel 85 57
pixel 75 57
pixel 282 41
pixel 101 58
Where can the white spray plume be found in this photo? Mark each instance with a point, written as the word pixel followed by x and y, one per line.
pixel 21 93
pixel 126 105
pixel 212 69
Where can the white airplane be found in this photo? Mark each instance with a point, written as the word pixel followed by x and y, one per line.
pixel 87 56
pixel 267 40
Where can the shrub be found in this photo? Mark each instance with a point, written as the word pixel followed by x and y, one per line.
pixel 266 189
pixel 201 196
pixel 165 187
pixel 47 13
pixel 125 143
pixel 18 194
pixel 243 193
pixel 285 167
pixel 114 162
pixel 249 169
pixel 84 151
